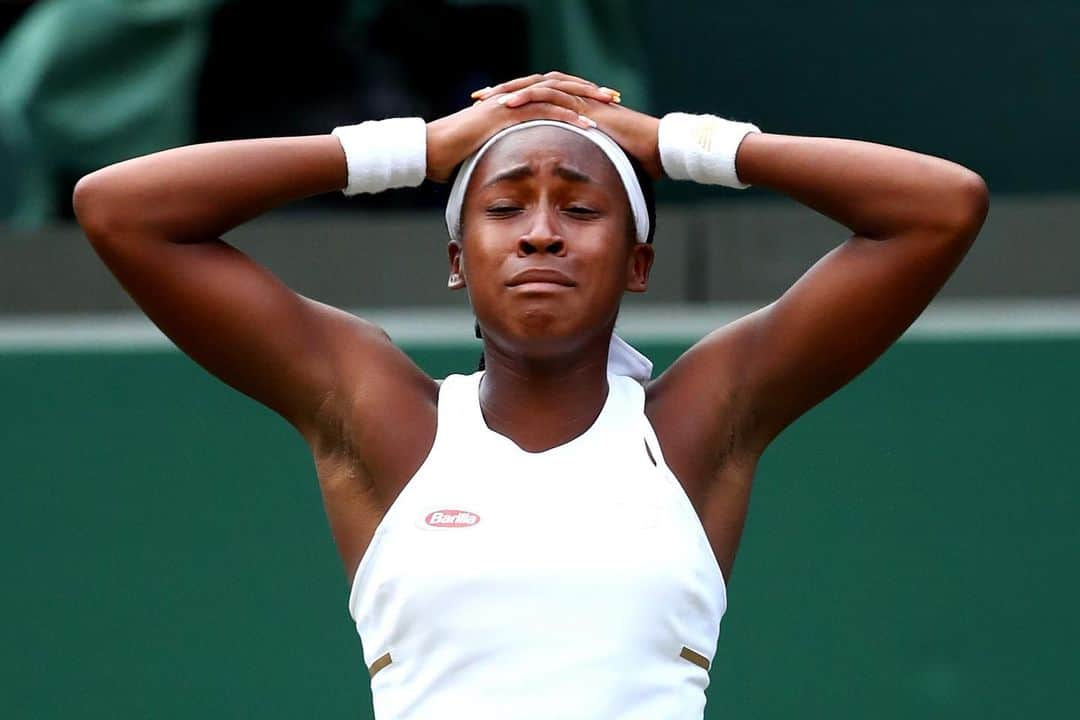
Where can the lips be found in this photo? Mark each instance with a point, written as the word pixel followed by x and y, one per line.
pixel 540 275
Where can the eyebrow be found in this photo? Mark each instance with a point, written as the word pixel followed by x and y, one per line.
pixel 519 172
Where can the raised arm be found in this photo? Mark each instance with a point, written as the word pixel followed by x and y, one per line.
pixel 912 219
pixel 155 222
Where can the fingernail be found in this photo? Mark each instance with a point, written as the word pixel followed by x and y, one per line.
pixel 589 121
pixel 503 99
pixel 609 91
pixel 481 91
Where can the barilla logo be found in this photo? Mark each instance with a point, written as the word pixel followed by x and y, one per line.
pixel 451 519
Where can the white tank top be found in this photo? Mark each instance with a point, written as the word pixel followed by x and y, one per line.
pixel 572 583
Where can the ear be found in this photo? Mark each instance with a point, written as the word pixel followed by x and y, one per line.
pixel 456 281
pixel 638 266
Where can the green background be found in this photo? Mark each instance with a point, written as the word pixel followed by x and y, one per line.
pixel 911 548
pixel 992 85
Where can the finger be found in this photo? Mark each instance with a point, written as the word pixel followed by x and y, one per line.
pixel 569 87
pixel 509 86
pixel 572 87
pixel 549 111
pixel 539 93
pixel 606 93
pixel 553 77
pixel 582 89
pixel 556 75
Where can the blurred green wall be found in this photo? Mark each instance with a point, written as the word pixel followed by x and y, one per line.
pixel 992 85
pixel 911 549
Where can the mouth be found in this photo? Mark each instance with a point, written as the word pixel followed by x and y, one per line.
pixel 541 278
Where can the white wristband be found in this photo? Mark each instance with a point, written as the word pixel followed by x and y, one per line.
pixel 384 154
pixel 702 148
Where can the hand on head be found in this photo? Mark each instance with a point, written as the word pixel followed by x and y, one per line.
pixel 552 96
pixel 542 87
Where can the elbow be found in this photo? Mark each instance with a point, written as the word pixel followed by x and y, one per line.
pixel 88 205
pixel 96 207
pixel 967 204
pixel 975 202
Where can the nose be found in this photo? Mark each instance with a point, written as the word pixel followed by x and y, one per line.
pixel 542 236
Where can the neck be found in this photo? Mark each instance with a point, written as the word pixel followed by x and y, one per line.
pixel 543 403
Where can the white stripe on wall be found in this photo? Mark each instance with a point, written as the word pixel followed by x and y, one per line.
pixel 945 320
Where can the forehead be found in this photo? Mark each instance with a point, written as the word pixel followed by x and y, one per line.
pixel 542 146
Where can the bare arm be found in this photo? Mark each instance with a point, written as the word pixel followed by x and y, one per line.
pixel 912 218
pixel 719 405
pixel 155 221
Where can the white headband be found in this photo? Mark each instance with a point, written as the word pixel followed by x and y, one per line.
pixel 610 147
pixel 623 359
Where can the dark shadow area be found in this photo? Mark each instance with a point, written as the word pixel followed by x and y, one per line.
pixel 10 12
pixel 276 69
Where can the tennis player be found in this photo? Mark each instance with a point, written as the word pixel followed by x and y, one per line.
pixel 549 537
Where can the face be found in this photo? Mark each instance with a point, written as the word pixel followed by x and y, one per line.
pixel 548 246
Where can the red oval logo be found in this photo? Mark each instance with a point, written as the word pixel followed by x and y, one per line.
pixel 451 518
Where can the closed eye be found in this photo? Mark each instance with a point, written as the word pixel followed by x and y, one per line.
pixel 503 209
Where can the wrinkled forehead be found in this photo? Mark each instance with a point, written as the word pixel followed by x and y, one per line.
pixel 545 144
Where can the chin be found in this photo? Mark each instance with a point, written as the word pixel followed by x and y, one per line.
pixel 542 322
pixel 543 330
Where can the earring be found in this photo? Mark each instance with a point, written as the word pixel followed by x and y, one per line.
pixel 454 281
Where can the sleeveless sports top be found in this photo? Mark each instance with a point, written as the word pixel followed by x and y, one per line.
pixel 572 583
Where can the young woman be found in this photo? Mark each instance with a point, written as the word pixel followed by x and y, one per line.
pixel 548 537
